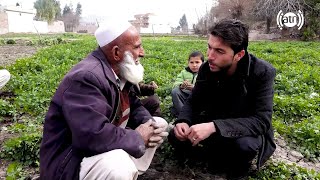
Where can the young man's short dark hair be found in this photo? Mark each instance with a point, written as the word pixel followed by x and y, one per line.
pixel 233 32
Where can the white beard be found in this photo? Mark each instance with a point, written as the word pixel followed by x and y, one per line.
pixel 129 70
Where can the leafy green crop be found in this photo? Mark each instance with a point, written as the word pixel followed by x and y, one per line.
pixel 15 172
pixel 6 108
pixel 24 149
pixel 35 79
pixel 280 171
pixel 294 108
pixel 304 136
pixel 296 102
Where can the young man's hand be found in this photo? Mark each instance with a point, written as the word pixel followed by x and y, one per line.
pixel 199 132
pixel 181 131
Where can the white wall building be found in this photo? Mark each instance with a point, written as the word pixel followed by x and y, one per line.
pixel 17 20
pixel 150 23
pixel 20 20
pixel 156 25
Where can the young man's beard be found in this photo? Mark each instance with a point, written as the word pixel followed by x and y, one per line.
pixel 223 69
pixel 129 70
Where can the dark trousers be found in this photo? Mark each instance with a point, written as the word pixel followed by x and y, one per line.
pixel 179 97
pixel 152 104
pixel 219 152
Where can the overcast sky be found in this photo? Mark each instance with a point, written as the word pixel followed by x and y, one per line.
pixel 170 10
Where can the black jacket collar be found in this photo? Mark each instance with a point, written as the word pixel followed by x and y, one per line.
pixel 243 67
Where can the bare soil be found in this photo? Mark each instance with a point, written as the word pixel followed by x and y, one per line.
pixel 10 53
pixel 165 167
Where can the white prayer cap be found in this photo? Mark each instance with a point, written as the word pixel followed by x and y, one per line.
pixel 110 30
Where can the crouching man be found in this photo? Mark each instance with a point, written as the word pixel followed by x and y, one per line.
pixel 96 128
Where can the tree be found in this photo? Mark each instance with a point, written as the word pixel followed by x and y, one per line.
pixel 67 10
pixel 235 9
pixel 47 10
pixel 202 25
pixel 58 10
pixel 70 18
pixel 78 10
pixel 183 23
pixel 311 28
pixel 268 9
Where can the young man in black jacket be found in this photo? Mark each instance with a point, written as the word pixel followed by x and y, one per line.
pixel 229 110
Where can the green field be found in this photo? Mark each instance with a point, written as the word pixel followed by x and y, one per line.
pixel 296 102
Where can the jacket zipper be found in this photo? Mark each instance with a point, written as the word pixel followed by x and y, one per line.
pixel 113 116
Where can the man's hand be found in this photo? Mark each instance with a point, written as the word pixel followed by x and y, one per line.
pixel 189 87
pixel 146 131
pixel 184 84
pixel 200 132
pixel 154 85
pixel 159 134
pixel 181 131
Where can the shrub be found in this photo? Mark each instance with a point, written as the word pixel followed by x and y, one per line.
pixel 11 41
pixel 15 172
pixel 24 148
pixel 2 41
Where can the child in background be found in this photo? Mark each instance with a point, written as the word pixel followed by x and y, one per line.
pixel 185 81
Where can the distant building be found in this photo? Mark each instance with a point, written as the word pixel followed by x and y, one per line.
pixel 86 27
pixel 15 19
pixel 18 20
pixel 150 23
pixel 3 21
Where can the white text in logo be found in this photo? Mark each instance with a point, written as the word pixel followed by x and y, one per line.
pixel 290 19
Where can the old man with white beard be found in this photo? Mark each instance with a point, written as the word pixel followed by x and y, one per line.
pixel 95 127
pixel 131 69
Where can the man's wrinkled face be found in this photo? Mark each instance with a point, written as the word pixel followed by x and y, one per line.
pixel 131 69
pixel 130 52
pixel 133 44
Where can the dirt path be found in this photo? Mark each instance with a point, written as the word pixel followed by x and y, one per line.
pixel 9 54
